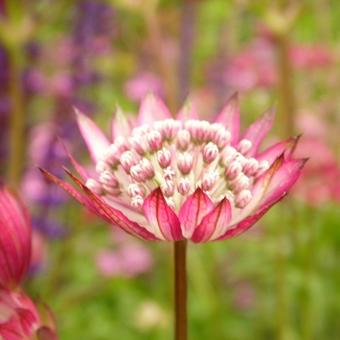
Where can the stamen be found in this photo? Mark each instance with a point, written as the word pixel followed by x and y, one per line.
pixel 102 166
pixel 221 137
pixel 168 188
pixel 210 152
pixel 183 186
pixel 139 144
pixel 128 159
pixel 137 201
pixel 155 140
pixel 164 157
pixel 243 198
pixel 111 155
pixel 199 130
pixel 169 173
pixel 114 191
pixel 209 179
pixel 169 128
pixel 251 167
pixel 240 182
pixel 107 178
pixel 147 168
pixel 135 189
pixel 184 163
pixel 244 146
pixel 137 173
pixel 94 186
pixel 183 139
pixel 228 155
pixel 233 169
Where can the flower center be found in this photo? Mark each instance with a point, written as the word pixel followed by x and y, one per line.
pixel 178 157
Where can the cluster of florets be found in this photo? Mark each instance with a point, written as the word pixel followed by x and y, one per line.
pixel 177 156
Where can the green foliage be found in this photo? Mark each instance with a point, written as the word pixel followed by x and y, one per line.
pixel 238 288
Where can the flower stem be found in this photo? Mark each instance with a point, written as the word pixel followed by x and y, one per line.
pixel 180 272
pixel 13 43
pixel 287 108
pixel 17 120
pixel 285 86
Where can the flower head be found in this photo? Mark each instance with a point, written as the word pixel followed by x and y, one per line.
pixel 171 179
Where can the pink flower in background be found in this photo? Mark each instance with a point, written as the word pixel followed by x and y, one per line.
pixel 142 84
pixel 311 125
pixel 321 180
pixel 244 296
pixel 125 257
pixel 129 260
pixel 19 317
pixel 255 65
pixel 311 56
pixel 185 178
pixel 39 253
pixel 39 151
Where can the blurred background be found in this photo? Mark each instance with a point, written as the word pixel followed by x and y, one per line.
pixel 278 281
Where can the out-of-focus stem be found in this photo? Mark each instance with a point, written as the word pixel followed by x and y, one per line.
pixel 324 10
pixel 285 86
pixel 12 18
pixel 180 272
pixel 281 289
pixel 165 68
pixel 310 271
pixel 17 119
pixel 286 114
pixel 188 18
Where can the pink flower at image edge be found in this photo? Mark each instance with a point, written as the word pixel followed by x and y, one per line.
pixel 19 317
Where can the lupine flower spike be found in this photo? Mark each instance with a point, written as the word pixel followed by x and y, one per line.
pixel 19 316
pixel 160 178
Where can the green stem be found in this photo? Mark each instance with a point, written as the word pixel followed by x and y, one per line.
pixel 17 119
pixel 287 116
pixel 309 272
pixel 281 289
pixel 285 86
pixel 181 330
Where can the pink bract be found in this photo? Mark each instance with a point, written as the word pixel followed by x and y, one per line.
pixel 161 178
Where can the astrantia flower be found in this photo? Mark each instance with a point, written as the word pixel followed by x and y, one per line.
pixel 19 317
pixel 173 179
